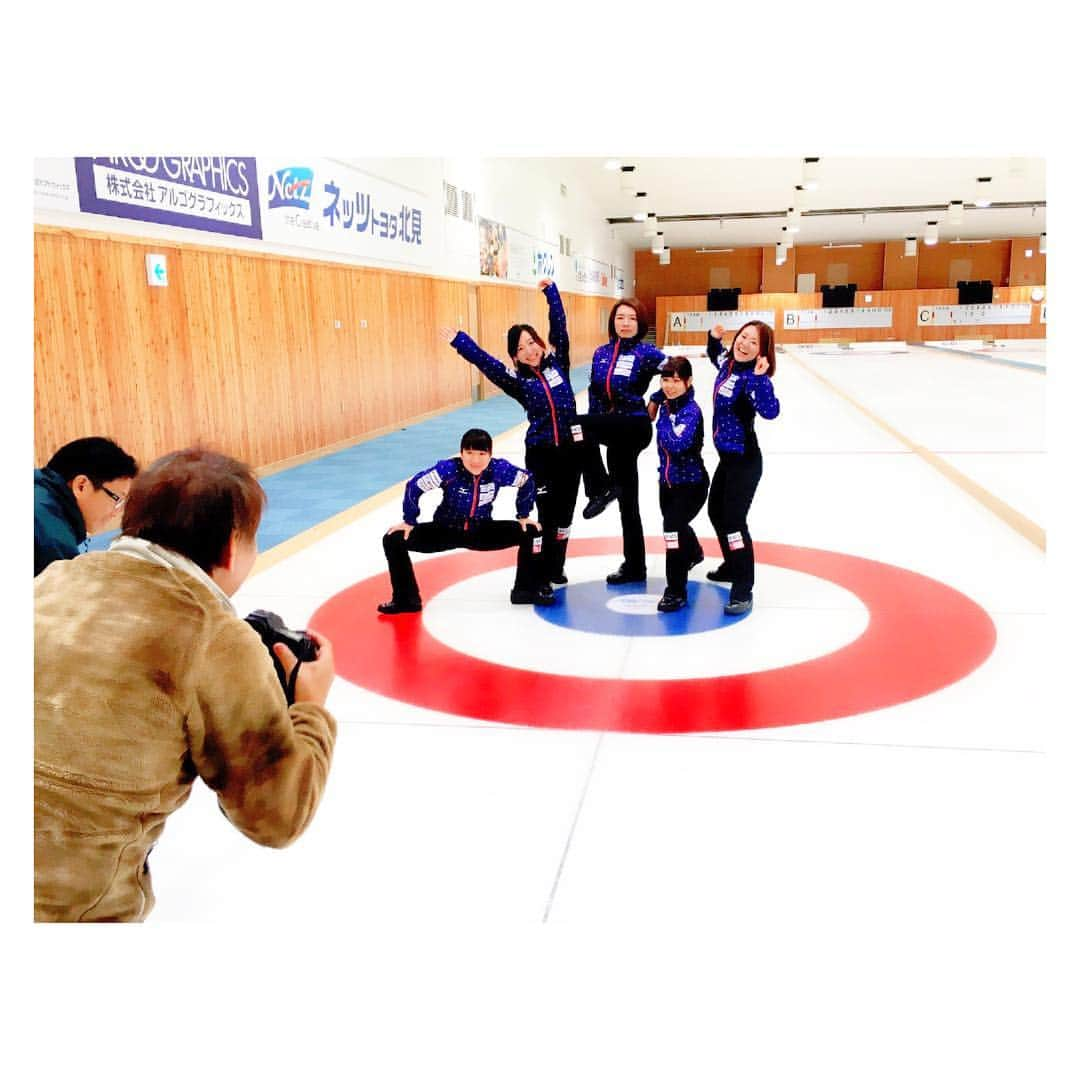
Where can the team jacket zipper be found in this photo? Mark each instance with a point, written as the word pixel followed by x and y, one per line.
pixel 611 368
pixel 551 405
pixel 475 494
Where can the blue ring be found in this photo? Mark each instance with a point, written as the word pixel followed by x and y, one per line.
pixel 585 607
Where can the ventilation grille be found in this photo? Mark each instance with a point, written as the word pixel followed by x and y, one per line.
pixel 562 190
pixel 467 205
pixel 450 200
pixel 564 244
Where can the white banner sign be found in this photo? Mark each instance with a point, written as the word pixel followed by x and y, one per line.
pixel 974 314
pixel 593 276
pixel 325 205
pixel 54 184
pixel 837 318
pixel 681 321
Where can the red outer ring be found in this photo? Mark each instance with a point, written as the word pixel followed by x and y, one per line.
pixel 922 636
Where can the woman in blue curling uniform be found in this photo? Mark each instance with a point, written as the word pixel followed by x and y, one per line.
pixel 621 372
pixel 541 383
pixel 684 482
pixel 743 390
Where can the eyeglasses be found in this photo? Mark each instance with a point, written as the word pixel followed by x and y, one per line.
pixel 118 500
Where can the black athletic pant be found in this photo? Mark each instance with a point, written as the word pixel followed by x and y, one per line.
pixel 625 437
pixel 479 536
pixel 557 472
pixel 733 486
pixel 680 504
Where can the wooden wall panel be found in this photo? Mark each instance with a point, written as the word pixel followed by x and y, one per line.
pixel 900 271
pixel 1025 271
pixel 864 264
pixel 688 273
pixel 989 262
pixel 239 352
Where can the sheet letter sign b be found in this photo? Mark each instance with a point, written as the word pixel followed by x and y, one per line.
pixel 156 273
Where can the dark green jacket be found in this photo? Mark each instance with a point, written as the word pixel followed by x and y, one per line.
pixel 59 528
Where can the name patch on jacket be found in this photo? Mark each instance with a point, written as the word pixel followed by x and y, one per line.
pixel 727 387
pixel 487 493
pixel 553 377
pixel 624 365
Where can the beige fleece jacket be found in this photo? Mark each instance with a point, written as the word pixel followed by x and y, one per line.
pixel 144 679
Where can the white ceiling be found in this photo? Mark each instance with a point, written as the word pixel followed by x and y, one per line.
pixel 738 185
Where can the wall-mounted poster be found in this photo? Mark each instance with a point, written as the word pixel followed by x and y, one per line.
pixel 213 194
pixel 330 206
pixel 494 249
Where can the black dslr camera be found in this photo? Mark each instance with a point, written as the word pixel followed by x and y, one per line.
pixel 272 629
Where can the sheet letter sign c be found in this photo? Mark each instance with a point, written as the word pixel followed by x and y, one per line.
pixel 156 273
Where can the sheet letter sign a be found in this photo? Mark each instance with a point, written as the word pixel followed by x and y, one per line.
pixel 156 273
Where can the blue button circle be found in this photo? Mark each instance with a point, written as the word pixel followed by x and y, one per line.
pixel 630 610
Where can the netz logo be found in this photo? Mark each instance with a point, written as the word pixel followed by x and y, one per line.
pixel 290 187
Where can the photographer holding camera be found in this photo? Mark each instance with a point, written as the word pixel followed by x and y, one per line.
pixel 145 678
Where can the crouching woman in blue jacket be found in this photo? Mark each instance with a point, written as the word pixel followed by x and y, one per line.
pixel 469 484
pixel 743 390
pixel 684 483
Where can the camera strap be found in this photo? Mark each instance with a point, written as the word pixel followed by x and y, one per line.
pixel 290 690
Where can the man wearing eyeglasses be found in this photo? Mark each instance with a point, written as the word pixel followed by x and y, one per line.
pixel 79 493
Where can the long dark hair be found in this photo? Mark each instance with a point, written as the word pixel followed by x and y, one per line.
pixel 766 344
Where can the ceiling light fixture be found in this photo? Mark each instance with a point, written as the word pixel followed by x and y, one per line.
pixel 959 241
pixel 658 243
pixel 665 257
pixel 956 212
pixel 982 191
pixel 627 181
pixel 931 236
pixel 611 164
pixel 781 253
pixel 810 173
pixel 1042 243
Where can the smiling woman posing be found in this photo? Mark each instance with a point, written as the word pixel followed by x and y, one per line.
pixel 540 382
pixel 743 389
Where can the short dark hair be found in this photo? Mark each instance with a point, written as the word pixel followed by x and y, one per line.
pixel 476 439
pixel 678 366
pixel 192 501
pixel 639 311
pixel 97 458
pixel 513 339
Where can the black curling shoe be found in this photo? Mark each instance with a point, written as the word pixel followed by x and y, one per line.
pixel 695 559
pixel 738 607
pixel 597 503
pixel 624 576
pixel 540 597
pixel 719 574
pixel 671 601
pixel 393 607
pixel 558 579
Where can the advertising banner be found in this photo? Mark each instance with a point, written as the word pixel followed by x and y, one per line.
pixel 213 194
pixel 592 276
pixel 514 256
pixel 329 206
